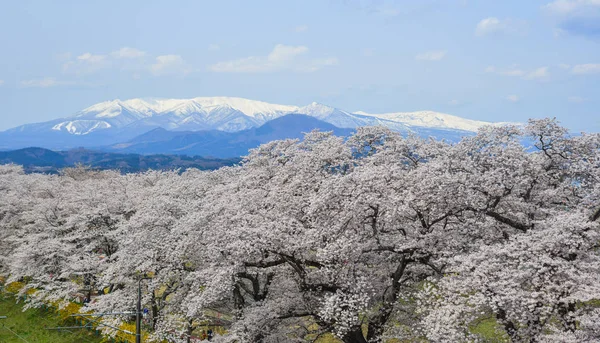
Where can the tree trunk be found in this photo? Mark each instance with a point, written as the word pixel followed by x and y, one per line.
pixel 377 323
pixel 258 338
pixel 564 311
pixel 155 310
pixel 355 335
pixel 509 327
pixel 190 330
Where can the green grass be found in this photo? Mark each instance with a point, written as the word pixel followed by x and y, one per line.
pixel 32 326
pixel 489 330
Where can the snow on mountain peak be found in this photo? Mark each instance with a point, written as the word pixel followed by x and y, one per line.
pixel 114 108
pixel 263 111
pixel 81 127
pixel 430 119
pixel 248 107
pixel 316 109
pixel 107 109
pixel 154 107
pixel 234 114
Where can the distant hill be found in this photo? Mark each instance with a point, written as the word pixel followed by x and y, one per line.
pixel 225 144
pixel 47 161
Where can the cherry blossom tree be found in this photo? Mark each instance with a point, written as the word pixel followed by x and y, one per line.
pixel 368 238
pixel 540 276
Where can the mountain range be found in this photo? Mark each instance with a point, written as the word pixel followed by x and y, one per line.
pixel 223 144
pixel 214 126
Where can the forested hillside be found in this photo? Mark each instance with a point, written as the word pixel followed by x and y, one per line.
pixel 374 238
pixel 41 160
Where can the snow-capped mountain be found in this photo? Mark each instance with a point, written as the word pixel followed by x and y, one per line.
pixel 344 119
pixel 236 114
pixel 224 144
pixel 118 121
pixel 332 115
pixel 220 113
pixel 431 119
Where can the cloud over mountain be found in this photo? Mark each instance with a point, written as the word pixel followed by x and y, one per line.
pixel 281 58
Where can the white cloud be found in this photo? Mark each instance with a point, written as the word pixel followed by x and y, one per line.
pixel 454 102
pixel 301 28
pixel 169 64
pixel 589 68
pixel 578 17
pixel 87 63
pixel 431 56
pixel 488 25
pixel 513 98
pixel 43 83
pixel 1 82
pixel 284 53
pixel 126 59
pixel 493 25
pixel 214 47
pixel 127 52
pixel 282 57
pixel 576 99
pixel 513 71
pixel 539 73
pixel 90 58
pixel 560 6
pixel 566 7
pixel 564 66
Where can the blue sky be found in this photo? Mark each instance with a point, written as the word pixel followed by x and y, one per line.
pixel 489 60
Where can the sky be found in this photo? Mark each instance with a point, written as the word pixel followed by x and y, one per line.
pixel 489 60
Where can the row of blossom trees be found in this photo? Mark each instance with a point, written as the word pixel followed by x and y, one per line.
pixel 368 238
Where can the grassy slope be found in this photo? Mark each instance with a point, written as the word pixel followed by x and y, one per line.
pixel 32 324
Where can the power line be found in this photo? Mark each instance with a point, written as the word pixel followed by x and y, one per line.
pixel 13 306
pixel 138 317
pixel 14 333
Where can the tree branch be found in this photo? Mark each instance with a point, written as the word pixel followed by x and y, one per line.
pixel 596 215
pixel 504 220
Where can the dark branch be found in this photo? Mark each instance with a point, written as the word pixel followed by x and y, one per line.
pixel 265 264
pixel 504 220
pixel 295 315
pixel 596 215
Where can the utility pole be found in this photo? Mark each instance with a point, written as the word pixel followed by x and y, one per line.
pixel 138 311
pixel 138 317
pixel 138 314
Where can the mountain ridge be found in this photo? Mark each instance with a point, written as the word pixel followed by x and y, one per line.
pixel 234 114
pixel 118 121
pixel 41 160
pixel 220 144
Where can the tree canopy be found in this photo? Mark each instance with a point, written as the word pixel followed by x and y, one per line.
pixel 369 238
